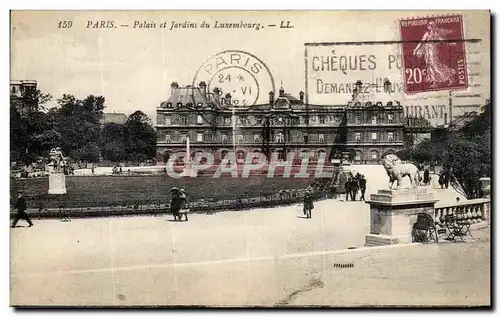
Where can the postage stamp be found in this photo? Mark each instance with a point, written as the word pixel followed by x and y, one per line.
pixel 434 53
pixel 238 73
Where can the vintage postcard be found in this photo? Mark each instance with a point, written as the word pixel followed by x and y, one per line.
pixel 250 159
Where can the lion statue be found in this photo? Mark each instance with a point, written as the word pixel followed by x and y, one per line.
pixel 396 170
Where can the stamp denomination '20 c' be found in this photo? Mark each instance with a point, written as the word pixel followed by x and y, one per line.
pixel 434 54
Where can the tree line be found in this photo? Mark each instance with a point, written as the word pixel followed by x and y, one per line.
pixel 75 126
pixel 466 153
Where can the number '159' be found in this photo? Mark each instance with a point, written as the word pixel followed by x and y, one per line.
pixel 65 24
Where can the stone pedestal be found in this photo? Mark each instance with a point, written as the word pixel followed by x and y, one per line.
pixel 393 213
pixel 57 184
pixel 486 186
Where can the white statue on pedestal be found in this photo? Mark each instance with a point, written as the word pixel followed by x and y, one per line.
pixel 57 179
pixel 396 170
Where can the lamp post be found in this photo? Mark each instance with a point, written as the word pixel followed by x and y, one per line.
pixel 283 121
pixel 266 134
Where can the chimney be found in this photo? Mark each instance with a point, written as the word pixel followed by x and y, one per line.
pixel 301 96
pixel 217 94
pixel 203 87
pixel 228 99
pixel 282 92
pixel 173 86
pixel 271 97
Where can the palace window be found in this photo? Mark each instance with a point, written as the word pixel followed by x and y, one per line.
pixel 227 120
pixel 306 138
pixel 374 136
pixel 259 119
pixel 183 138
pixel 167 138
pixel 280 137
pixel 357 137
pixel 179 104
pixel 199 137
pixel 183 120
pixel 256 138
pixel 390 118
pixel 374 118
pixel 240 138
pixel 169 105
pixel 199 119
pixel 321 138
pixel 358 156
pixel 390 136
pixel 168 120
pixel 357 118
pixel 322 119
pixel 374 155
pixel 224 138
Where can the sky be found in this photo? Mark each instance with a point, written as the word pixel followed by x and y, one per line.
pixel 134 67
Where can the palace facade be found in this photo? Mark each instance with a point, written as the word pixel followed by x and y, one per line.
pixel 285 125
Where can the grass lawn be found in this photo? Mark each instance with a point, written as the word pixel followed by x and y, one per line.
pixel 83 191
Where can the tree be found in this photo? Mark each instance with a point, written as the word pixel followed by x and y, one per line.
pixel 481 123
pixel 140 141
pixel 31 132
pixel 78 123
pixel 468 154
pixel 88 153
pixel 468 158
pixel 427 151
pixel 112 142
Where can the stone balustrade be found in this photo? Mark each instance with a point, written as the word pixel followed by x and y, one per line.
pixel 474 210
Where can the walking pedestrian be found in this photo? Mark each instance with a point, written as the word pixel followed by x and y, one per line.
pixel 308 203
pixel 362 186
pixel 21 210
pixel 446 179
pixel 441 180
pixel 347 189
pixel 426 177
pixel 182 198
pixel 175 203
pixel 354 189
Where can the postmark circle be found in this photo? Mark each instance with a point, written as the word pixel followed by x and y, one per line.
pixel 238 82
pixel 238 73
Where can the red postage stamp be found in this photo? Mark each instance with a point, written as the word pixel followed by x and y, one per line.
pixel 434 54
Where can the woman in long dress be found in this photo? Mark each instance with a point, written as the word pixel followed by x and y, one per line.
pixel 436 71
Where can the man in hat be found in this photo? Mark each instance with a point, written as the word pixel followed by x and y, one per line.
pixel 308 203
pixel 175 202
pixel 21 210
pixel 182 201
pixel 362 186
